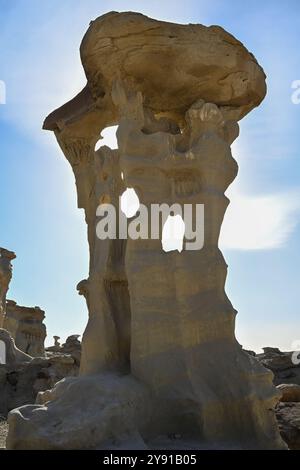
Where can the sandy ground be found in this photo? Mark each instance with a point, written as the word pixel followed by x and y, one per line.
pixel 3 433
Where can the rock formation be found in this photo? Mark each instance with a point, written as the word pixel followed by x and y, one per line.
pixel 288 416
pixel 56 341
pixel 13 354
pixel 159 355
pixel 56 346
pixel 3 432
pixel 290 392
pixel 23 377
pixel 26 326
pixel 6 258
pixel 285 368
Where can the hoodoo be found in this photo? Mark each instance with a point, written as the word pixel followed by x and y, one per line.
pixel 159 354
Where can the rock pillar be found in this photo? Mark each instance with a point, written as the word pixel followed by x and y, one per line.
pixel 159 354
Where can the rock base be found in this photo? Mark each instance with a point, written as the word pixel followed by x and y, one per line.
pixel 92 412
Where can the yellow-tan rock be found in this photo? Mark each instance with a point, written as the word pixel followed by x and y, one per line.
pixel 290 392
pixel 161 327
pixel 26 326
pixel 6 258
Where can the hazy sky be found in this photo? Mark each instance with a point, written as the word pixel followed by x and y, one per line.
pixel 40 65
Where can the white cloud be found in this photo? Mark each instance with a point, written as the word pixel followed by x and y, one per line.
pixel 259 222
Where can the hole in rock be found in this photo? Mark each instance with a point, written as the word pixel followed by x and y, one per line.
pixel 173 233
pixel 2 352
pixel 108 137
pixel 130 202
pixel 119 302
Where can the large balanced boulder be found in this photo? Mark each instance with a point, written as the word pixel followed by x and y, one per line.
pixel 290 392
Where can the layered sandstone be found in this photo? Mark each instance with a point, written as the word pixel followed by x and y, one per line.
pixel 6 258
pixel 26 326
pixel 71 347
pixel 159 355
pixel 13 355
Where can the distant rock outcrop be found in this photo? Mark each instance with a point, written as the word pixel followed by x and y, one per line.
pixel 72 346
pixel 25 324
pixel 24 369
pixel 288 417
pixel 284 365
pixel 13 355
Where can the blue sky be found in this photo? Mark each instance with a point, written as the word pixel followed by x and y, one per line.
pixel 40 65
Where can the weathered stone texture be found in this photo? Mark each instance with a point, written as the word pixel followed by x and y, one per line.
pixel 288 416
pixel 23 377
pixel 160 332
pixel 6 258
